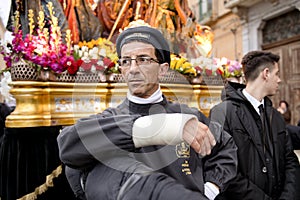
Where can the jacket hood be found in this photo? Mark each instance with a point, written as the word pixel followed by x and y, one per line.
pixel 233 91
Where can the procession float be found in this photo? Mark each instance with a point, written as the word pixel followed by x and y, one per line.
pixel 62 66
pixel 61 74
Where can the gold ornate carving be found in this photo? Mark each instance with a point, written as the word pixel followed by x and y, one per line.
pixel 60 103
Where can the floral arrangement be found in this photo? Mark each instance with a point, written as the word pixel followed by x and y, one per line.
pixel 206 66
pixel 228 68
pixel 97 55
pixel 195 67
pixel 42 47
pixel 182 65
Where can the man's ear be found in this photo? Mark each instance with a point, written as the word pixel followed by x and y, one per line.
pixel 266 73
pixel 163 69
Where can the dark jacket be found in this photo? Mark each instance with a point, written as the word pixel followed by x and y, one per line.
pixel 294 132
pixel 106 135
pixel 240 119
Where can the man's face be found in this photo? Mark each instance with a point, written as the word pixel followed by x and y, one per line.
pixel 273 80
pixel 142 80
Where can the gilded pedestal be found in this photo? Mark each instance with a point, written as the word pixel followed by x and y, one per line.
pixel 60 103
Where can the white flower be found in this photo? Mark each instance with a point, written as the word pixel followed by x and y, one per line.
pixel 5 88
pixel 102 52
pixel 93 53
pixel 76 48
pixel 93 69
pixel 80 53
pixel 100 62
pixel 85 57
pixel 84 49
pixel 202 62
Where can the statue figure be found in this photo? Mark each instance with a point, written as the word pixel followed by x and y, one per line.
pixel 83 23
pixel 23 6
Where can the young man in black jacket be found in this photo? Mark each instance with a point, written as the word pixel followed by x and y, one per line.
pixel 267 163
pixel 148 147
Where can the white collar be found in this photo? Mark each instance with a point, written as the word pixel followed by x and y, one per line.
pixel 254 102
pixel 154 98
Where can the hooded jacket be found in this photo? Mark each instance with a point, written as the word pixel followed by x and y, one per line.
pixel 240 119
pixel 104 136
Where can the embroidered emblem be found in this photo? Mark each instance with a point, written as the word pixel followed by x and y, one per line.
pixel 186 168
pixel 183 150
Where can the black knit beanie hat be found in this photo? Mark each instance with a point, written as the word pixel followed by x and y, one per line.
pixel 148 35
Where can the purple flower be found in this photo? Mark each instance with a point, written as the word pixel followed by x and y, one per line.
pixel 231 68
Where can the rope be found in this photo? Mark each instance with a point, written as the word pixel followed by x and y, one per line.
pixel 44 187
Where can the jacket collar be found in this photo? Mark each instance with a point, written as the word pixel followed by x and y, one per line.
pixel 143 109
pixel 233 91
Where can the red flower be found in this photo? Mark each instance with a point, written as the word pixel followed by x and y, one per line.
pixel 79 62
pixel 99 67
pixel 112 64
pixel 219 71
pixel 198 69
pixel 86 66
pixel 208 72
pixel 107 61
pixel 73 68
pixel 93 61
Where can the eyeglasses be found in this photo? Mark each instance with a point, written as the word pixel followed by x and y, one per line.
pixel 143 60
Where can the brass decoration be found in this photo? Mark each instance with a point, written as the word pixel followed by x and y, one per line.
pixel 206 96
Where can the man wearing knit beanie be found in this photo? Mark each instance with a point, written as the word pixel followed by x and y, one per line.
pixel 148 35
pixel 148 147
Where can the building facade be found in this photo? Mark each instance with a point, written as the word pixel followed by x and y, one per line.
pixel 272 25
pixel 225 24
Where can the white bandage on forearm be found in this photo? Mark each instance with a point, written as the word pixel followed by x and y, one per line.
pixel 159 129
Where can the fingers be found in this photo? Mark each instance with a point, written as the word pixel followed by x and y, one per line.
pixel 205 147
pixel 202 144
pixel 200 138
pixel 211 138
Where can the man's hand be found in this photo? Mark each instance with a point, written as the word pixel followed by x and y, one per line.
pixel 199 137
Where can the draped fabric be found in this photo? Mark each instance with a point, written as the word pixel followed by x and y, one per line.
pixel 27 156
pixel 5 110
